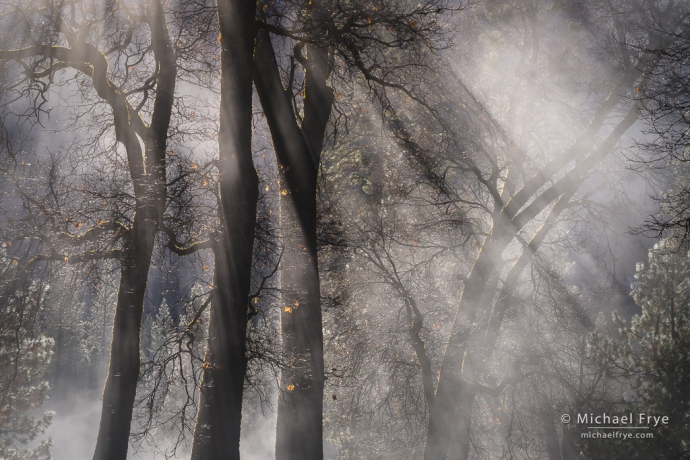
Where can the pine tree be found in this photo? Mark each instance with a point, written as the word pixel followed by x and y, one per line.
pixel 653 355
pixel 24 357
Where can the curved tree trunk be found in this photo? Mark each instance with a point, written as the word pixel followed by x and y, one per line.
pixel 442 413
pixel 123 372
pixel 300 406
pixel 513 217
pixel 150 193
pixel 217 432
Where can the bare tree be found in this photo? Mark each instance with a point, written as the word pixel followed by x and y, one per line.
pixel 336 41
pixel 217 433
pixel 93 42
pixel 511 207
pixel 547 190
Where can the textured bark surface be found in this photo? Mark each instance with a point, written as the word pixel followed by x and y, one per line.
pixel 148 176
pixel 123 372
pixel 217 433
pixel 300 405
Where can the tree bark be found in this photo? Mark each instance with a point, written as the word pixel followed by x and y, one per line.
pixel 300 406
pixel 123 372
pixel 150 192
pixel 217 432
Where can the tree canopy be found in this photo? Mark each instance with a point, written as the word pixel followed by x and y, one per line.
pixel 342 229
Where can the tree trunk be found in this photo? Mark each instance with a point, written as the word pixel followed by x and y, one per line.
pixel 553 448
pixel 150 192
pixel 569 449
pixel 300 406
pixel 299 426
pixel 457 355
pixel 217 433
pixel 459 448
pixel 443 412
pixel 123 372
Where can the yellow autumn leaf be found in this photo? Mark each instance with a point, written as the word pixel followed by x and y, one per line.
pixel 290 387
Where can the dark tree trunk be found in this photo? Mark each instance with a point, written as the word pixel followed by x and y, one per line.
pixel 300 406
pixel 217 433
pixel 150 193
pixel 123 372
pixel 299 430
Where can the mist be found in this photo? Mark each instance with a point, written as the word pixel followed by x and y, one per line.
pixel 334 229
